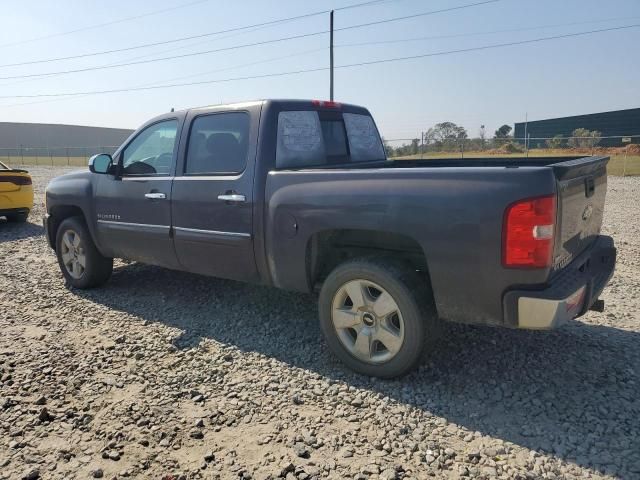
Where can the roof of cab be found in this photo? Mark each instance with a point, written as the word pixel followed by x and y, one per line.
pixel 272 101
pixel 297 104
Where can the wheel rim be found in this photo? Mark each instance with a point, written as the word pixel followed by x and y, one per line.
pixel 368 321
pixel 73 254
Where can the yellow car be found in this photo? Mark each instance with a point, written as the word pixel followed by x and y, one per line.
pixel 16 194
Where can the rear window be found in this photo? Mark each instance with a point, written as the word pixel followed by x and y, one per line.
pixel 311 138
pixel 364 141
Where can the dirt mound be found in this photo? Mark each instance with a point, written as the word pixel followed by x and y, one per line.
pixel 510 147
pixel 631 149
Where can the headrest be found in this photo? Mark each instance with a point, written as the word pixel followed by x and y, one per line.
pixel 222 144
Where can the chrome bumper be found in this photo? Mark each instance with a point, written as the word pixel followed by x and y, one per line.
pixel 570 293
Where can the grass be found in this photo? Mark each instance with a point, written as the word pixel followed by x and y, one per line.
pixel 17 161
pixel 615 167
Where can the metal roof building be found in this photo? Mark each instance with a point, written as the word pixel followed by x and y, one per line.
pixel 56 138
pixel 618 123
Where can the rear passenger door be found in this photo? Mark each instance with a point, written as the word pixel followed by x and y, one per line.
pixel 212 202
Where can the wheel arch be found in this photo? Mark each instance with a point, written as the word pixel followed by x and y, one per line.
pixel 327 249
pixel 59 213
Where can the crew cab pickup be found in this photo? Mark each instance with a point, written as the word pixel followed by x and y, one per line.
pixel 299 195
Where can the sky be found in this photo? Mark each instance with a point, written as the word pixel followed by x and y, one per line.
pixel 491 87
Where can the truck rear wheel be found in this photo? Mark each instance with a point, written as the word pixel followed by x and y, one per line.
pixel 81 263
pixel 377 316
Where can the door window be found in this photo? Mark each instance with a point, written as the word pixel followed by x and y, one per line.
pixel 218 144
pixel 151 152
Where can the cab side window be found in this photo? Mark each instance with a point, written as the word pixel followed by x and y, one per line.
pixel 218 144
pixel 151 152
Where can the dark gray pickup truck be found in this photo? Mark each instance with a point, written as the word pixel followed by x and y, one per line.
pixel 299 195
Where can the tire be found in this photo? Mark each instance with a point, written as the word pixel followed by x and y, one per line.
pixel 380 343
pixel 18 217
pixel 96 269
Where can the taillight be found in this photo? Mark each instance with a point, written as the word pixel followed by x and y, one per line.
pixel 528 232
pixel 326 104
pixel 16 179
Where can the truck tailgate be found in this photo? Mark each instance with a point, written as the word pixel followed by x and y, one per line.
pixel 582 186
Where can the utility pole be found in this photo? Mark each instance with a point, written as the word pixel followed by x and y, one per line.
pixel 331 56
pixel 526 125
pixel 421 145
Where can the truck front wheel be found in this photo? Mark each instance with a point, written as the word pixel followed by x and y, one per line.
pixel 377 315
pixel 80 262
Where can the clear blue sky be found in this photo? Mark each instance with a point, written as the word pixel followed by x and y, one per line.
pixel 561 77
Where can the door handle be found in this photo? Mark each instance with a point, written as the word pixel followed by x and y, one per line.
pixel 155 196
pixel 232 197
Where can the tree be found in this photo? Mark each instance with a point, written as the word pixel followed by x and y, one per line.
pixel 503 132
pixel 445 134
pixel 482 133
pixel 555 142
pixel 414 146
pixel 583 138
pixel 502 135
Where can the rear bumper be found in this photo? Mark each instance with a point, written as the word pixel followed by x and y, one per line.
pixel 568 295
pixel 13 211
pixel 17 201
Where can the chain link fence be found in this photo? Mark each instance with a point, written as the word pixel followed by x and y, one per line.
pixel 53 156
pixel 624 157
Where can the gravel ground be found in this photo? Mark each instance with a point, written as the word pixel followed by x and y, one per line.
pixel 169 375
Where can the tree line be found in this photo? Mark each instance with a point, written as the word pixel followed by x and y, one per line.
pixel 450 137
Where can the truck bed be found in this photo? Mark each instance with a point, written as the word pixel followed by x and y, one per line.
pixel 454 208
pixel 562 166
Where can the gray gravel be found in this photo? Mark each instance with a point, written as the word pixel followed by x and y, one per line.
pixel 168 375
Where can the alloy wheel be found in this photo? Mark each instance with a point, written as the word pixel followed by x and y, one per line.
pixel 368 321
pixel 73 254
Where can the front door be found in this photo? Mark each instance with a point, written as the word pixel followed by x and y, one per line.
pixel 133 208
pixel 212 206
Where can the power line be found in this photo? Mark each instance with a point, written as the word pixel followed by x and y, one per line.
pixel 148 55
pixel 489 32
pixel 352 65
pixel 497 45
pixel 272 59
pixel 172 57
pixel 192 37
pixel 236 32
pixel 416 15
pixel 90 27
pixel 235 47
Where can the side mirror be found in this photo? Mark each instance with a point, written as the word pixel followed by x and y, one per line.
pixel 100 163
